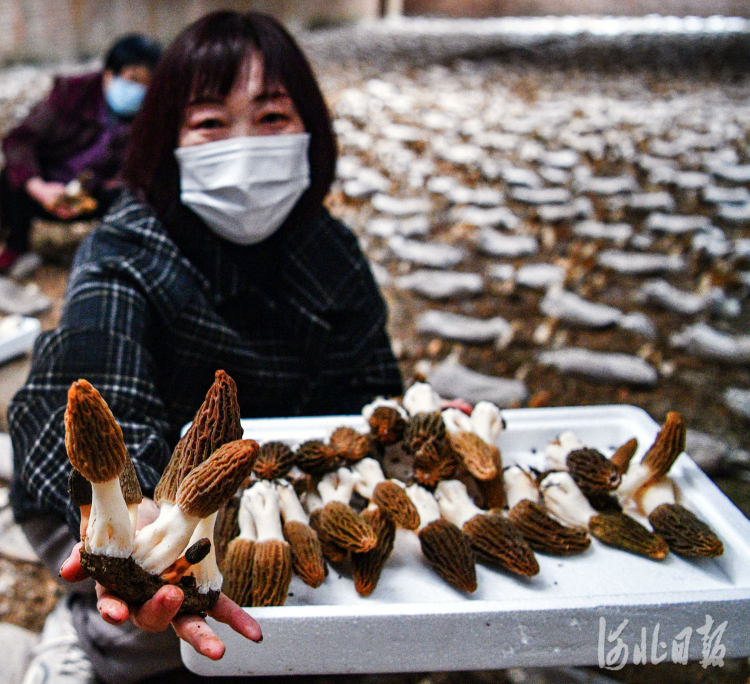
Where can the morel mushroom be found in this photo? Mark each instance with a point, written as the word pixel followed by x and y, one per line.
pixel 367 566
pixel 538 528
pixel 479 457
pixel 96 449
pixel 207 487
pixel 683 531
pixel 387 420
pixel 389 495
pixel 275 459
pixel 238 560
pixel 336 521
pixel 656 462
pixel 307 552
pixel 444 545
pixel 349 444
pixel 566 502
pixel 272 555
pixel 316 458
pixel 494 538
pixel 592 471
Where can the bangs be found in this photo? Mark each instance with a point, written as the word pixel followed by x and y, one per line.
pixel 215 68
pixel 217 63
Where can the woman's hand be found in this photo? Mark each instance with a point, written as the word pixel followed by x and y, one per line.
pixel 161 610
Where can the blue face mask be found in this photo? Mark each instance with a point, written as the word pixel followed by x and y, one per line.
pixel 124 97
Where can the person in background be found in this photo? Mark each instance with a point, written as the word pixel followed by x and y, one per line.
pixel 77 133
pixel 218 254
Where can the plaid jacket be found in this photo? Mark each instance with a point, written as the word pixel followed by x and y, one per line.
pixel 299 324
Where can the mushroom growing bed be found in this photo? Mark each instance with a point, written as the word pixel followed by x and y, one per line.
pixel 595 608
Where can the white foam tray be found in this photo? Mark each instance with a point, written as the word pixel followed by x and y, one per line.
pixel 415 622
pixel 21 340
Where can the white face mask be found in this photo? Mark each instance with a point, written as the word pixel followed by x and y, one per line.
pixel 245 187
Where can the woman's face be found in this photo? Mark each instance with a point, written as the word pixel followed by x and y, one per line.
pixel 251 108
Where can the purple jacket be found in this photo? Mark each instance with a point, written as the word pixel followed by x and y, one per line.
pixel 70 131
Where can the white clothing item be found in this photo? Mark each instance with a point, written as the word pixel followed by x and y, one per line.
pixel 245 187
pixel 58 656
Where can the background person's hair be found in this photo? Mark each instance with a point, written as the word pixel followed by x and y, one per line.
pixel 133 49
pixel 205 61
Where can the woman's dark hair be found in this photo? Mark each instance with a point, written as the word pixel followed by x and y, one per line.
pixel 205 61
pixel 131 50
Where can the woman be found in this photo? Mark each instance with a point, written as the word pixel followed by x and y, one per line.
pixel 221 255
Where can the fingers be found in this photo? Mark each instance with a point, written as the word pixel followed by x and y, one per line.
pixel 71 569
pixel 156 614
pixel 148 511
pixel 111 607
pixel 228 612
pixel 194 630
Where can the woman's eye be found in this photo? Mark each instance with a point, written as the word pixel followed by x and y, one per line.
pixel 274 118
pixel 210 123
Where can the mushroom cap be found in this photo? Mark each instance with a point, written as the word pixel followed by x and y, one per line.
pixel 685 533
pixel 216 423
pixel 274 460
pixel 479 457
pixel 92 436
pixel 307 553
pixel 366 567
pixel 272 572
pixel 210 485
pixel 395 504
pixel 592 471
pixel 669 444
pixel 349 444
pixel 449 553
pixel 544 534
pixel 623 532
pixel 497 541
pixel 237 569
pixel 131 488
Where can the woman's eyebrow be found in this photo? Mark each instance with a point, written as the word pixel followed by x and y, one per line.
pixel 272 92
pixel 206 100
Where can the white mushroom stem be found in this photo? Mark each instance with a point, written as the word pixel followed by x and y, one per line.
pixel 519 486
pixel 456 420
pixel 421 398
pixel 207 575
pixel 263 501
pixel 653 496
pixel 109 531
pixel 425 503
pixel 161 543
pixel 289 503
pixel 558 450
pixel 634 478
pixel 245 519
pixel 369 409
pixel 338 486
pixel 565 501
pixel 455 503
pixel 311 501
pixel 133 515
pixel 487 421
pixel 370 476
